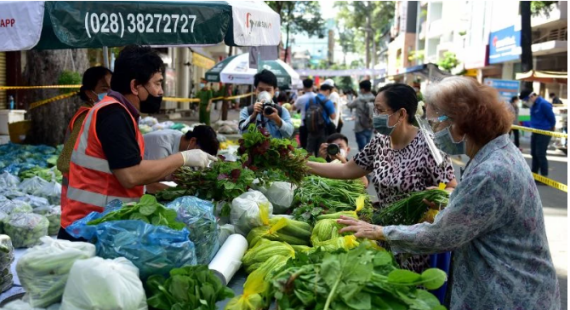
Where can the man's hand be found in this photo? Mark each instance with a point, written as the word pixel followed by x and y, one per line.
pixel 323 150
pixel 197 158
pixel 274 117
pixel 257 108
pixel 339 157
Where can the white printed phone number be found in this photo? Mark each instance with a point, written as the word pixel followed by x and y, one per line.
pixel 141 23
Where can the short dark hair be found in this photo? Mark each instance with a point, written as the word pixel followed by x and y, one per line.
pixel 266 77
pixel 515 98
pixel 206 138
pixel 326 87
pixel 336 136
pixel 91 77
pixel 308 83
pixel 400 96
pixel 525 93
pixel 552 95
pixel 366 85
pixel 137 63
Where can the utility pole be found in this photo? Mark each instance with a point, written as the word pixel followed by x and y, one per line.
pixel 526 40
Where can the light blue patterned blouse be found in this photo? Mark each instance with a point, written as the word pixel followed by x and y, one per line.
pixel 494 225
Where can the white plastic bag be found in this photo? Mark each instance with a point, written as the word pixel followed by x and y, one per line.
pixel 245 211
pixel 104 284
pixel 281 195
pixel 19 304
pixel 43 269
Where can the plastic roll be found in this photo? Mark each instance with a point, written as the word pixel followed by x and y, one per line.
pixel 228 259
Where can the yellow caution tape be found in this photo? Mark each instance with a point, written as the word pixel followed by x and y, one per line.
pixel 542 132
pixel 174 99
pixel 550 182
pixel 232 97
pixel 38 87
pixel 56 98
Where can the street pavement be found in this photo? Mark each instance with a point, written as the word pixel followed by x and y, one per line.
pixel 554 201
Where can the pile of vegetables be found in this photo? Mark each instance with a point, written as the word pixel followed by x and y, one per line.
pixel 412 209
pixel 48 174
pixel 224 181
pixel 147 210
pixel 6 259
pixel 188 287
pixel 317 195
pixel 18 158
pixel 281 229
pixel 260 152
pixel 357 279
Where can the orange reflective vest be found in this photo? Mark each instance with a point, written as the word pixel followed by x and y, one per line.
pixel 92 185
pixel 65 179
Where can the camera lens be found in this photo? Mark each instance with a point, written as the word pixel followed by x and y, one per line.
pixel 333 149
pixel 268 110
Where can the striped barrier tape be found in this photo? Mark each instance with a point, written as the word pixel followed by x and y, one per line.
pixel 56 98
pixel 550 182
pixel 174 99
pixel 542 132
pixel 38 87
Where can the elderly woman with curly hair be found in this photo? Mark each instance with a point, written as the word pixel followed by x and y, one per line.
pixel 494 221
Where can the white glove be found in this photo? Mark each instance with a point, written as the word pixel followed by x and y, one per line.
pixel 197 158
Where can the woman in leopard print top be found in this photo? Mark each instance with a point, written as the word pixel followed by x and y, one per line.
pixel 399 160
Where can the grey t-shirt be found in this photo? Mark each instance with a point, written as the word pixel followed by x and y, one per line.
pixel 162 143
pixel 362 110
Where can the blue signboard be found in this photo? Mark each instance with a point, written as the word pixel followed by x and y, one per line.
pixel 507 88
pixel 504 45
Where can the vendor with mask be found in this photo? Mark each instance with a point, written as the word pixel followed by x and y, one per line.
pixel 398 156
pixel 107 160
pixel 95 85
pixel 163 143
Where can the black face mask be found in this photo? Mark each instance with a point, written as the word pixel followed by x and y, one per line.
pixel 152 103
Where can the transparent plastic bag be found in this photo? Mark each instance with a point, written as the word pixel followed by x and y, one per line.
pixel 8 180
pixel 198 216
pixel 32 185
pixel 15 206
pixel 12 193
pixel 26 229
pixel 6 254
pixel 53 214
pixel 104 284
pixel 19 304
pixel 34 201
pixel 43 270
pixel 225 231
pixel 153 249
pixel 245 211
pixel 51 191
pixel 3 218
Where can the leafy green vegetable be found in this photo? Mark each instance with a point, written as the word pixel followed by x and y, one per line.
pixel 224 181
pixel 260 152
pixel 147 210
pixel 357 279
pixel 317 159
pixel 410 210
pixel 317 195
pixel 189 287
pixel 48 174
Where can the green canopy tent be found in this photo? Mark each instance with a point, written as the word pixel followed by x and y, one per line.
pixel 236 70
pixel 94 24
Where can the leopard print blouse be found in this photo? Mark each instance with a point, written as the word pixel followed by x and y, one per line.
pixel 397 173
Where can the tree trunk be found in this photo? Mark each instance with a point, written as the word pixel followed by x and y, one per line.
pixel 526 40
pixel 49 122
pixel 288 33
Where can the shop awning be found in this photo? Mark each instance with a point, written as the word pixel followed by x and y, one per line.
pixel 543 76
pixel 95 24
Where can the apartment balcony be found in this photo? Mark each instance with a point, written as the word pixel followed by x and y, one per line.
pixel 549 47
pixel 423 31
pixel 558 16
pixel 435 29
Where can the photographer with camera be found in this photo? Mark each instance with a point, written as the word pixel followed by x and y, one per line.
pixel 265 113
pixel 336 149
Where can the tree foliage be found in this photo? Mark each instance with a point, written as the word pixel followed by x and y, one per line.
pixel 541 7
pixel 299 17
pixel 352 19
pixel 449 61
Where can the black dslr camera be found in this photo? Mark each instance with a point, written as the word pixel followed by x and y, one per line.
pixel 268 108
pixel 333 149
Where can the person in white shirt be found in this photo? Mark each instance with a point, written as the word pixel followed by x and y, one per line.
pixel 335 98
pixel 163 143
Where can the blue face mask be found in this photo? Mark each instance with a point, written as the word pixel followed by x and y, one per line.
pixel 444 142
pixel 99 96
pixel 380 123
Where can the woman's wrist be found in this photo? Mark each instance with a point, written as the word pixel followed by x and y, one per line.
pixel 379 233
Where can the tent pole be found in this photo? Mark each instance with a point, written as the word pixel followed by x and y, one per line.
pixel 106 56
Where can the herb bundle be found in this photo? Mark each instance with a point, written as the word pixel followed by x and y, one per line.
pixel 147 210
pixel 411 210
pixel 224 181
pixel 261 152
pixel 358 279
pixel 317 195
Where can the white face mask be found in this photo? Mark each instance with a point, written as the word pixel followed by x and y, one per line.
pixel 343 153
